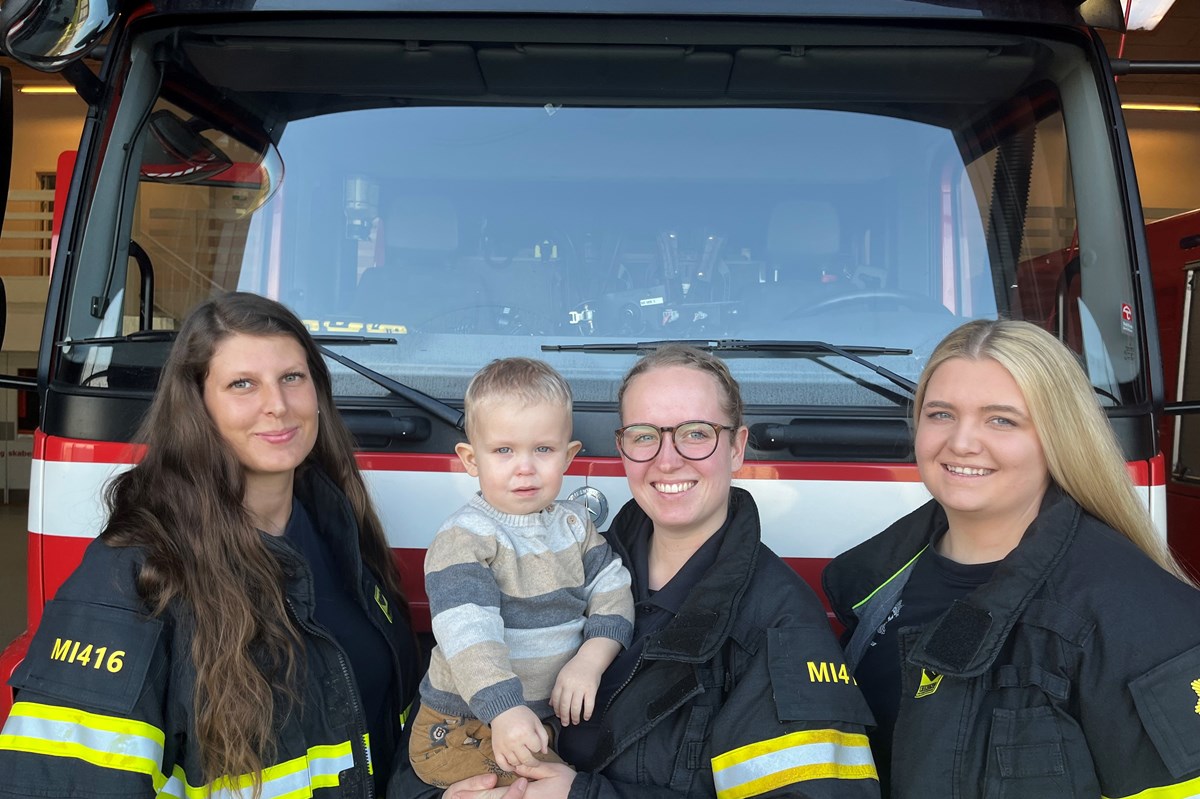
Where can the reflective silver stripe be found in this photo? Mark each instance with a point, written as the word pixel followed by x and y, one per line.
pixel 174 789
pixel 61 732
pixel 292 779
pixel 791 759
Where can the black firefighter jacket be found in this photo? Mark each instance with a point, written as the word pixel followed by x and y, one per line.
pixel 1074 672
pixel 744 694
pixel 104 695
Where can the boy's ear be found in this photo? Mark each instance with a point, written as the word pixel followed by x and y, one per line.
pixel 573 450
pixel 466 454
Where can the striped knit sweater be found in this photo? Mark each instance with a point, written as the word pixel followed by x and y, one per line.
pixel 512 599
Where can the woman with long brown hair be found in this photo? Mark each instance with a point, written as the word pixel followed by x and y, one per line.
pixel 241 615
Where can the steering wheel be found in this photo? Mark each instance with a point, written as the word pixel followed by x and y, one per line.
pixel 889 297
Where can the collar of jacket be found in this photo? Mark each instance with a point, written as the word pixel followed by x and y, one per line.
pixel 333 518
pixel 705 620
pixel 965 641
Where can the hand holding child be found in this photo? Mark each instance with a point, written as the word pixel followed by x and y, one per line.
pixel 518 734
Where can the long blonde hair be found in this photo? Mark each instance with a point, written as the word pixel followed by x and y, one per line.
pixel 1081 450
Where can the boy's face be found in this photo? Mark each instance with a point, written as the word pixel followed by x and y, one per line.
pixel 519 453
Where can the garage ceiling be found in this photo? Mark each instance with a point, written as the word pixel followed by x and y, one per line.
pixel 1177 38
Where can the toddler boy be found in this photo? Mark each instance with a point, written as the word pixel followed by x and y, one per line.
pixel 529 603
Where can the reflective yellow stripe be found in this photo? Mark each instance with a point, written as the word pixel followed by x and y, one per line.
pixel 104 741
pixel 297 778
pixel 174 787
pixel 404 714
pixel 94 721
pixel 137 747
pixel 1180 790
pixel 797 757
pixel 880 587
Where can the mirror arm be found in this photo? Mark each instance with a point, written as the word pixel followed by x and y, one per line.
pixel 19 383
pixel 86 83
pixel 1182 408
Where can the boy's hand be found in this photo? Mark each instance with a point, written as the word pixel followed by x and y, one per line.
pixel 517 734
pixel 574 696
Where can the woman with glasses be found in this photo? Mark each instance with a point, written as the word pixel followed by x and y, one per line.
pixel 734 685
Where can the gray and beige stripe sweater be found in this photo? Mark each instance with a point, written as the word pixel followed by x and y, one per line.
pixel 512 599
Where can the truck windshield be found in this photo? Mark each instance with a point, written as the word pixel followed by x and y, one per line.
pixel 872 187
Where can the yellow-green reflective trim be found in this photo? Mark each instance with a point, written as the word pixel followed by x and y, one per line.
pixel 765 766
pixel 104 741
pixel 94 721
pixel 1180 790
pixel 297 778
pixel 137 747
pixel 880 587
pixel 404 714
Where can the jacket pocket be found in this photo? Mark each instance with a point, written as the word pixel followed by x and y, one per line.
pixel 1026 756
pixel 691 759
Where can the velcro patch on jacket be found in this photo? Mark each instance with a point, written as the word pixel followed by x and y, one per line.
pixel 1168 701
pixel 94 655
pixel 958 636
pixel 810 678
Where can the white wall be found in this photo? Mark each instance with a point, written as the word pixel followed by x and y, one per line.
pixel 44 126
pixel 1166 155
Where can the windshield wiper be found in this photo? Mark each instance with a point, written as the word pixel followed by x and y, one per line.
pixel 737 346
pixel 154 336
pixel 140 336
pixel 431 405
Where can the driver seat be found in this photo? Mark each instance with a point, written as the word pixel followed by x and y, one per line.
pixel 803 242
pixel 803 263
pixel 418 278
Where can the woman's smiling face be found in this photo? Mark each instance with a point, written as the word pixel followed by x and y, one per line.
pixel 682 497
pixel 977 449
pixel 262 400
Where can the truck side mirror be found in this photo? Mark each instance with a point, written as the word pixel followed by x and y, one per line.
pixel 49 34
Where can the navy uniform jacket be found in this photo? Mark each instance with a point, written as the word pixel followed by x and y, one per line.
pixel 1074 672
pixel 744 694
pixel 104 695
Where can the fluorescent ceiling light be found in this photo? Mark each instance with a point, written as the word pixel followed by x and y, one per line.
pixel 1160 107
pixel 1145 14
pixel 47 90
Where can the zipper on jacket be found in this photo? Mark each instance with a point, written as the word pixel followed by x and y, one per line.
pixel 637 665
pixel 355 700
pixel 397 684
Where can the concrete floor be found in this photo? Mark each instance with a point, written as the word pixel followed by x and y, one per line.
pixel 13 539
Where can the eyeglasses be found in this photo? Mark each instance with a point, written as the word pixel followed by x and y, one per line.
pixel 694 440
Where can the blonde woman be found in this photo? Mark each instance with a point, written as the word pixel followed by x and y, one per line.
pixel 1026 633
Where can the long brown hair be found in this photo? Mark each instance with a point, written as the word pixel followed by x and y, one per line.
pixel 1082 453
pixel 204 557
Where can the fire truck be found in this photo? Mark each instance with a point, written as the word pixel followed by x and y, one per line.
pixel 818 192
pixel 1174 246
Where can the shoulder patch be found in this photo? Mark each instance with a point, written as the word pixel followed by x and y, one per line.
pixel 1168 701
pixel 810 678
pixel 94 655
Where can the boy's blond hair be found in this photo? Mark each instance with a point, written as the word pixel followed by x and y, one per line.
pixel 525 379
